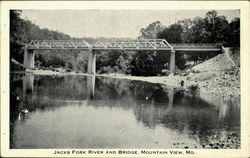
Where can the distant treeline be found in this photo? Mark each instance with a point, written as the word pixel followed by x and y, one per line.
pixel 210 29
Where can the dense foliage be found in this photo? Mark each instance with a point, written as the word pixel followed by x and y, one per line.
pixel 210 29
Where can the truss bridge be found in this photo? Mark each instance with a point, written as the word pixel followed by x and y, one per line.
pixel 120 45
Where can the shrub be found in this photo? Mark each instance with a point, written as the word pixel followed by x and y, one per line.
pixel 194 89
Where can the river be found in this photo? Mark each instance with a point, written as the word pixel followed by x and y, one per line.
pixel 71 111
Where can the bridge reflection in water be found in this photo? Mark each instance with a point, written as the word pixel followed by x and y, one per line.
pixel 28 89
pixel 111 113
pixel 28 86
pixel 28 83
pixel 91 86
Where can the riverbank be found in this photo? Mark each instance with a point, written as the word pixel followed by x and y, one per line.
pixel 223 83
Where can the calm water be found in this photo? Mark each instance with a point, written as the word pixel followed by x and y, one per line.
pixel 89 112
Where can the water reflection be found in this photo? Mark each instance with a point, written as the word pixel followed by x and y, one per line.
pixel 28 83
pixel 101 112
pixel 91 86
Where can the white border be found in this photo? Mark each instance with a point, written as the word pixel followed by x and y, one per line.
pixel 172 5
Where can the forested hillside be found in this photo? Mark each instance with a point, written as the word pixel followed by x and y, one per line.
pixel 210 29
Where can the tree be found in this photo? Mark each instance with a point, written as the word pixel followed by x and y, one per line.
pixel 143 64
pixel 17 35
pixel 151 31
pixel 198 33
pixel 186 25
pixel 233 39
pixel 216 26
pixel 172 34
pixel 114 61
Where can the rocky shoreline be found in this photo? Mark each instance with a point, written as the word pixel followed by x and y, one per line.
pixel 223 83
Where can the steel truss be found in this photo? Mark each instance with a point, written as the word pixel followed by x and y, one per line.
pixel 136 45
pixel 58 44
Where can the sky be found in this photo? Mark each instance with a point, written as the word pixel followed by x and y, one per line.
pixel 111 23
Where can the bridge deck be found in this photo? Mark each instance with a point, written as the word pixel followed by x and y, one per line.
pixel 131 45
pixel 196 46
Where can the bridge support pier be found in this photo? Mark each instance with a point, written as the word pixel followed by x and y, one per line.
pixel 92 62
pixel 29 58
pixel 172 62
